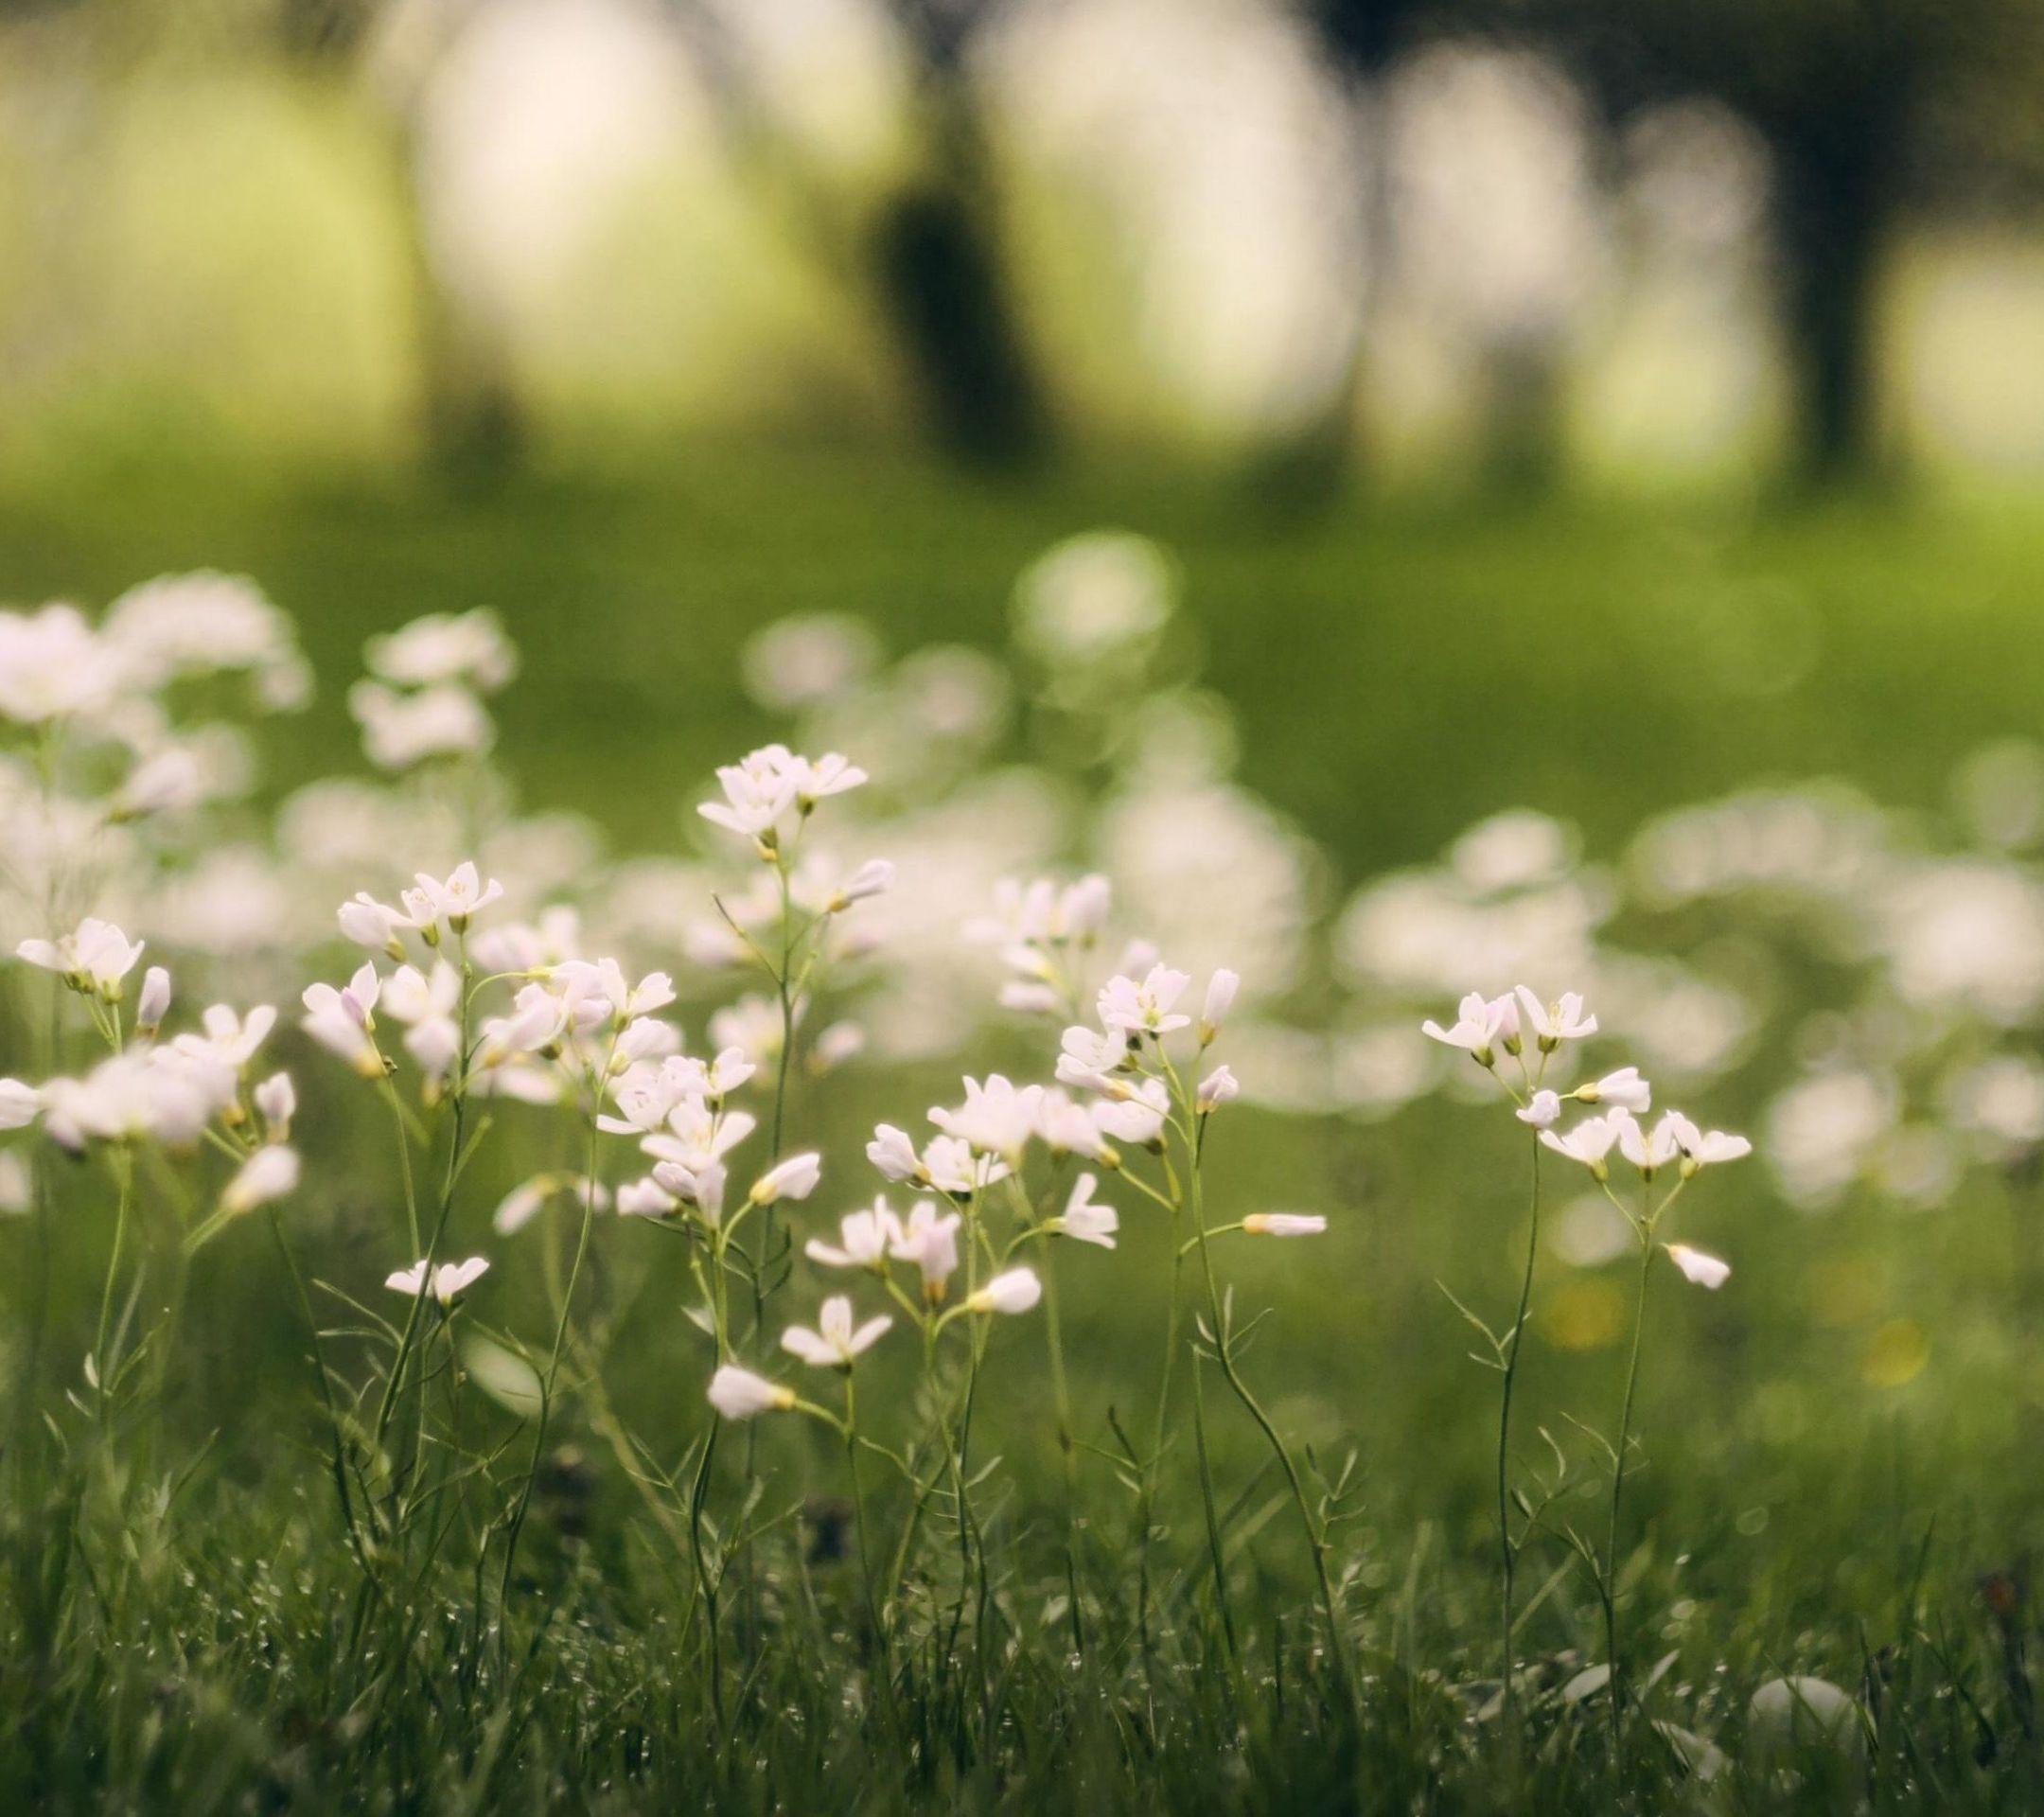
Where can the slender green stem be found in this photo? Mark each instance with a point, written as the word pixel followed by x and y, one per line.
pixel 1067 1430
pixel 1507 1552
pixel 123 1165
pixel 1617 1498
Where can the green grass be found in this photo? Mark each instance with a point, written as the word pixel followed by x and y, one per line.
pixel 185 1629
pixel 1399 674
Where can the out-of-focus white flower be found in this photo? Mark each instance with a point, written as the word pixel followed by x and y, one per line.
pixel 1090 1060
pixel 141 1094
pixel 1624 1089
pixel 806 661
pixel 206 624
pixel 269 1175
pixel 153 1002
pixel 929 1241
pixel 794 1178
pixel 1706 1271
pixel 403 730
pixel 342 1020
pixel 2002 1102
pixel 873 878
pixel 1085 1221
pixel 52 666
pixel 1821 1132
pixel 1587 1143
pixel 17 1185
pixel 374 924
pixel 435 1045
pixel 1137 1118
pixel 1542 1111
pixel 835 1046
pixel 1064 1127
pixel 1144 1008
pixel 1220 989
pixel 1091 596
pixel 739 1394
pixel 1478 1020
pixel 956 1168
pixel 446 646
pixel 863 1239
pixel 165 781
pixel 1553 1023
pixel 449 1280
pixel 19 1104
pixel 752 1024
pixel 893 1153
pixel 97 956
pixel 1014 1291
pixel 411 996
pixel 277 1102
pixel 230 1039
pixel 836 1342
pixel 645 1198
pixel 997 1118
pixel 1220 1086
pixel 525 1202
pixel 1283 1223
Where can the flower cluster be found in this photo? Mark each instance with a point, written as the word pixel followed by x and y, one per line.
pixel 423 696
pixel 170 1094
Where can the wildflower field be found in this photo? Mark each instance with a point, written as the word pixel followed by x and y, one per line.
pixel 667 1151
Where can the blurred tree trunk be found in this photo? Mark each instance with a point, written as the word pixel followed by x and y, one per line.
pixel 939 264
pixel 1831 213
pixel 469 420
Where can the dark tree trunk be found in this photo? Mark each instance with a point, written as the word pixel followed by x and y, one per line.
pixel 1831 221
pixel 472 422
pixel 939 267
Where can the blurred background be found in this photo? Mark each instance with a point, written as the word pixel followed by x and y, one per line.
pixel 1351 244
pixel 1586 421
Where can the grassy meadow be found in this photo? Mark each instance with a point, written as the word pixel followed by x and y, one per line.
pixel 1837 1466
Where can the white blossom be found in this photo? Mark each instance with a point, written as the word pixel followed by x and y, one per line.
pixel 1220 989
pixel 1587 1143
pixel 1283 1223
pixel 1706 1271
pixel 96 955
pixel 1144 1008
pixel 836 1342
pixel 1014 1291
pixel 19 1104
pixel 794 1178
pixel 1476 1030
pixel 1553 1023
pixel 929 1241
pixel 449 1280
pixel 269 1175
pixel 739 1394
pixel 864 1237
pixel 1087 1221
pixel 446 646
pixel 153 1002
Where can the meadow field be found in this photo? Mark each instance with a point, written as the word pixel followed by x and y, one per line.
pixel 1440 1484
